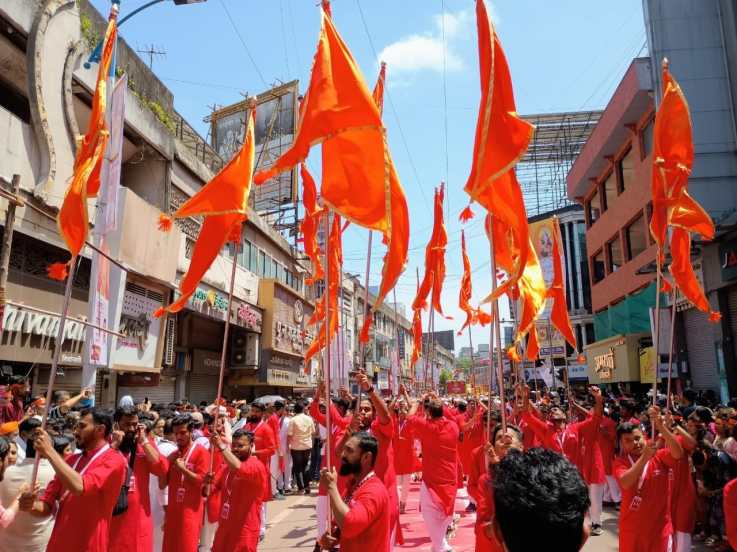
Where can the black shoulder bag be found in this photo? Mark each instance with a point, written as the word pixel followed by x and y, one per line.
pixel 121 505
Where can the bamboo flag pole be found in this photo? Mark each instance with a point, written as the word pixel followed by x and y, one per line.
pixel 326 326
pixel 55 358
pixel 495 330
pixel 366 312
pixel 656 329
pixel 670 348
pixel 396 331
pixel 226 334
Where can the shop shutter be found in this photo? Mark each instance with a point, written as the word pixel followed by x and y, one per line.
pixel 732 306
pixel 161 394
pixel 701 352
pixel 202 387
pixel 71 380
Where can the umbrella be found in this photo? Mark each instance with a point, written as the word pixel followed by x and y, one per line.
pixel 269 399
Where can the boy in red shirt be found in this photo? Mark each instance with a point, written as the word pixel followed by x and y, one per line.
pixel 362 515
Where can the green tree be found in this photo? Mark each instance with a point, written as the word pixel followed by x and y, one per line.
pixel 445 376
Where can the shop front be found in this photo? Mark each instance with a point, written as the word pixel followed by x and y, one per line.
pixel 616 359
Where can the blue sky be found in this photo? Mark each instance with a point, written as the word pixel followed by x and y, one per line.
pixel 563 54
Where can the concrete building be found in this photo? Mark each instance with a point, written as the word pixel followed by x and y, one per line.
pixel 45 94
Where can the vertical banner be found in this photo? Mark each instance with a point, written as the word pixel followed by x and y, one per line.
pixel 98 344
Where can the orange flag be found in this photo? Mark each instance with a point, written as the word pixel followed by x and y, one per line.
pixel 223 202
pixel 557 292
pixel 339 112
pixel 310 223
pixel 473 316
pixel 673 155
pixel 73 219
pixel 533 344
pixel 432 280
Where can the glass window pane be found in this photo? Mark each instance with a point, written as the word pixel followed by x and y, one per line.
pixel 610 191
pixel 262 264
pixel 647 138
pixel 616 258
pixel 626 169
pixel 594 208
pixel 636 238
pixel 598 267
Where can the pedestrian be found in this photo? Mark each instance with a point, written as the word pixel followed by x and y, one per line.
pixel 361 515
pixel 85 488
pixel 264 442
pixel 300 431
pixel 185 473
pixel 284 472
pixel 241 482
pixel 7 515
pixel 160 497
pixel 406 461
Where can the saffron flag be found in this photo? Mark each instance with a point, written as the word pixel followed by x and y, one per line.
pixel 473 316
pixel 557 291
pixel 223 202
pixel 432 280
pixel 310 223
pixel 533 344
pixel 340 113
pixel 73 219
pixel 673 155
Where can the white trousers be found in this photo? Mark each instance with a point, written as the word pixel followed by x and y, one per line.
pixel 683 542
pixel 284 481
pixel 262 532
pixel 321 511
pixel 612 492
pixel 436 522
pixel 596 495
pixel 207 535
pixel 274 470
pixel 404 481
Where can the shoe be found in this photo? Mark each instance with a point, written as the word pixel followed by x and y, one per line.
pixel 616 506
pixel 261 538
pixel 402 507
pixel 287 492
pixel 471 508
pixel 279 496
pixel 596 530
pixel 307 492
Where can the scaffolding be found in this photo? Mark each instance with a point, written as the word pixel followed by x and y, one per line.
pixel 558 139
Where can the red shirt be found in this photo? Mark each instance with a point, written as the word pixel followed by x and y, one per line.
pixel 265 443
pixel 366 525
pixel 184 511
pixel 12 411
pixel 683 500
pixel 242 493
pixel 405 456
pixel 274 424
pixel 132 531
pixel 83 522
pixel 645 525
pixel 478 469
pixel 607 442
pixel 730 512
pixel 439 438
pixel 472 438
pixel 338 423
pixel 485 515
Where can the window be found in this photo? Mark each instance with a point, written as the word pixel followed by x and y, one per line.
pixel 253 259
pixel 626 170
pixel 274 264
pixel 647 138
pixel 15 101
pixel 635 236
pixel 262 264
pixel 243 253
pixel 593 208
pixel 597 265
pixel 279 272
pixel 610 191
pixel 616 258
pixel 590 336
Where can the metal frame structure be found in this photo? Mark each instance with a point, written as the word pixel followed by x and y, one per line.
pixel 558 139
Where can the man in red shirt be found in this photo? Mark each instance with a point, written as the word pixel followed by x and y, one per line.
pixel 185 473
pixel 362 515
pixel 730 512
pixel 241 481
pixel 85 488
pixel 132 530
pixel 12 408
pixel 406 461
pixel 439 438
pixel 644 475
pixel 274 421
pixel 265 443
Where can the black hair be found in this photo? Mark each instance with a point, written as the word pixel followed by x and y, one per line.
pixel 278 405
pixel 124 412
pixel 237 434
pixel 4 448
pixel 29 425
pixel 461 407
pixel 61 443
pixel 58 394
pixel 100 416
pixel 542 489
pixel 498 428
pixel 183 420
pixel 367 443
pixel 435 408
pixel 299 407
pixel 690 395
pixel 207 419
pixel 168 426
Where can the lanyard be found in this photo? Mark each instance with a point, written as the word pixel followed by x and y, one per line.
pixel 99 453
pixel 643 475
pixel 186 461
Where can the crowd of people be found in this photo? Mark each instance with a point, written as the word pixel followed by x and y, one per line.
pixel 539 467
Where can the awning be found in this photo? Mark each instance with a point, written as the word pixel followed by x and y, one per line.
pixel 126 368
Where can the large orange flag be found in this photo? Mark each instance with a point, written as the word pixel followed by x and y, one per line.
pixel 502 138
pixel 473 316
pixel 340 113
pixel 432 280
pixel 673 155
pixel 73 219
pixel 557 291
pixel 309 224
pixel 223 202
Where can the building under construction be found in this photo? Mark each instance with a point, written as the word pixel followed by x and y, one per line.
pixel 557 142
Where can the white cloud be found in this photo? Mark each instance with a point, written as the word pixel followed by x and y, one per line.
pixel 424 52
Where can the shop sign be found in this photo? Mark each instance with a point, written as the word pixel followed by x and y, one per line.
pixel 604 364
pixel 27 322
pixel 289 337
pixel 211 303
pixel 577 371
pixel 456 387
pixel 248 317
pixel 141 330
pixel 728 260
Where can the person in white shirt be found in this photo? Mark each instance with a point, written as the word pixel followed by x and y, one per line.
pixel 299 434
pixel 284 480
pixel 159 497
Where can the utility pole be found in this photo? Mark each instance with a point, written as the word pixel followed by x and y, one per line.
pixel 7 242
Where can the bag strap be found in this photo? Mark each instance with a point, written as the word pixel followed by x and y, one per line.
pixel 129 472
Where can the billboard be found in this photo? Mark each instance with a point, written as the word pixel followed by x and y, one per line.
pixel 542 234
pixel 276 121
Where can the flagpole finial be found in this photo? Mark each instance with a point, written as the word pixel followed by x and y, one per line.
pixel 251 102
pixel 383 64
pixel 326 8
pixel 665 63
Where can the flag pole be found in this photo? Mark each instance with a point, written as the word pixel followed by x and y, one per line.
pixel 226 334
pixel 550 355
pixel 670 349
pixel 656 337
pixel 366 311
pixel 396 331
pixel 431 342
pixel 340 345
pixel 326 325
pixel 417 273
pixel 55 358
pixel 473 372
pixel 495 330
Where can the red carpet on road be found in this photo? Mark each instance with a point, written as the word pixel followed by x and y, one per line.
pixel 413 527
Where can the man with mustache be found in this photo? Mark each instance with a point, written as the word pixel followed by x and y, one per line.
pixel 85 488
pixel 362 515
pixel 241 482
pixel 132 530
